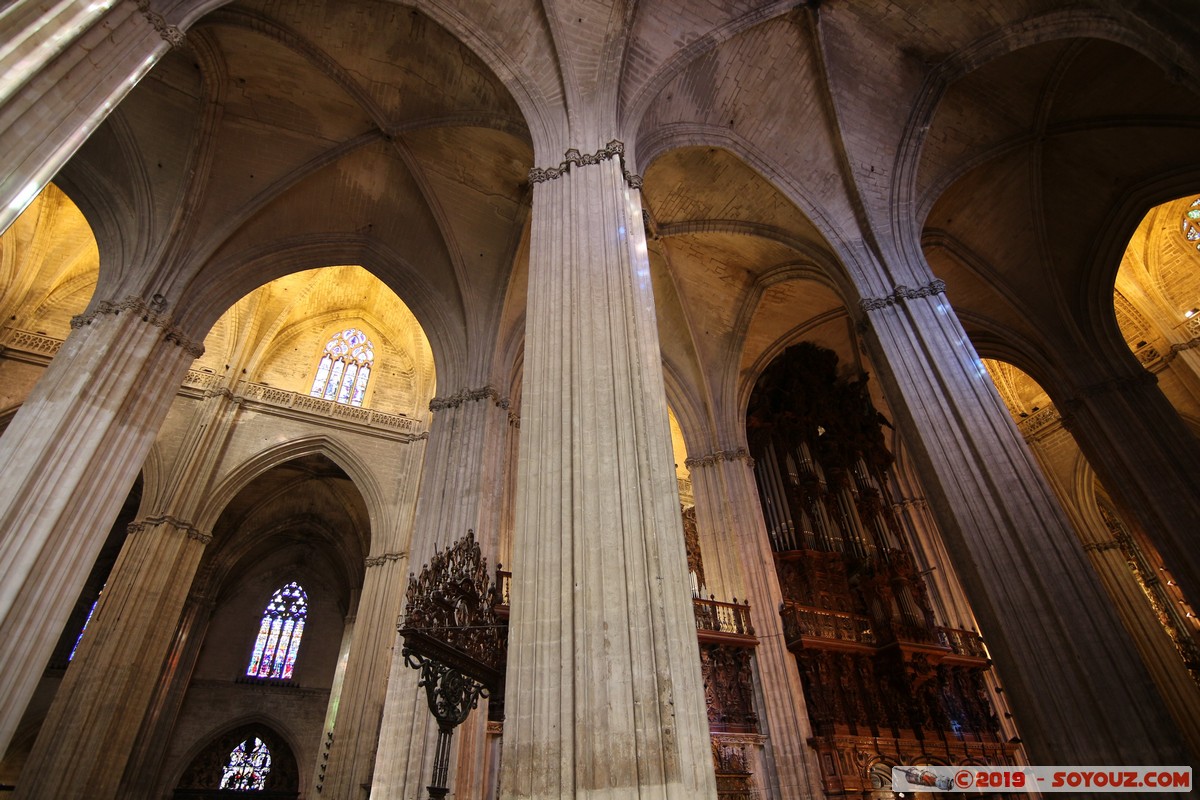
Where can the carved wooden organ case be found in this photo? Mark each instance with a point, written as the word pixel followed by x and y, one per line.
pixel 884 684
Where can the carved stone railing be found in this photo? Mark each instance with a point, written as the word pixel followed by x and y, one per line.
pixel 29 347
pixel 808 625
pixel 295 401
pixel 1038 420
pixel 42 348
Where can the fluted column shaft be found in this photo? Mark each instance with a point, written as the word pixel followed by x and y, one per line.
pixel 604 693
pixel 1148 460
pixel 63 68
pixel 360 701
pixel 97 713
pixel 734 542
pixel 1078 688
pixel 461 482
pixel 66 463
pixel 1111 559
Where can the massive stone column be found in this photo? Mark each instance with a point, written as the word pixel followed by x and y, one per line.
pixel 360 700
pixel 67 461
pixel 733 539
pixel 89 735
pixel 461 484
pixel 604 695
pixel 1077 686
pixel 1144 454
pixel 1132 582
pixel 63 68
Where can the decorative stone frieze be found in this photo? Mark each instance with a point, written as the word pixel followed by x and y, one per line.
pixel 382 558
pixel 718 456
pixel 468 395
pixel 167 519
pixel 901 293
pixel 614 148
pixel 1180 347
pixel 151 312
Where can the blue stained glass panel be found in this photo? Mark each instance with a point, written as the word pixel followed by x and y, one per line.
pixel 279 633
pixel 82 630
pixel 347 383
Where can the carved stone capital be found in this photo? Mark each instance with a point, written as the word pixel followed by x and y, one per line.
pixel 614 149
pixel 468 395
pixel 902 293
pixel 1121 384
pixel 1181 347
pixel 190 530
pixel 382 558
pixel 170 34
pixel 150 312
pixel 718 456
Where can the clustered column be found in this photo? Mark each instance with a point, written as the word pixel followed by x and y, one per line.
pixel 728 512
pixel 354 718
pixel 68 460
pixel 1144 454
pixel 1079 691
pixel 98 711
pixel 70 64
pixel 604 693
pixel 461 484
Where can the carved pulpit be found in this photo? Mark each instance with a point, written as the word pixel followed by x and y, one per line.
pixel 454 637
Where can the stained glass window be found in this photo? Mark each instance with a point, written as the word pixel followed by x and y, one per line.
pixel 248 767
pixel 1191 223
pixel 279 634
pixel 82 630
pixel 345 368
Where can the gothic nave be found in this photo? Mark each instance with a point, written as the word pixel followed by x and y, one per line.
pixel 739 399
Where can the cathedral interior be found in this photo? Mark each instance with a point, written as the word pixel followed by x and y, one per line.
pixel 634 363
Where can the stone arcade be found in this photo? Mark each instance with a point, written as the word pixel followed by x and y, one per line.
pixel 820 381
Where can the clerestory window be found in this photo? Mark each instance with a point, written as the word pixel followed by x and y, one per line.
pixel 1191 223
pixel 345 368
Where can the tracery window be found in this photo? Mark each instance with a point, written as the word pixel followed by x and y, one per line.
pixel 1191 223
pixel 345 368
pixel 248 767
pixel 279 634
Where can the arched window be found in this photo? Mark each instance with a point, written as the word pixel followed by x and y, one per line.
pixel 279 634
pixel 1191 223
pixel 248 767
pixel 345 368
